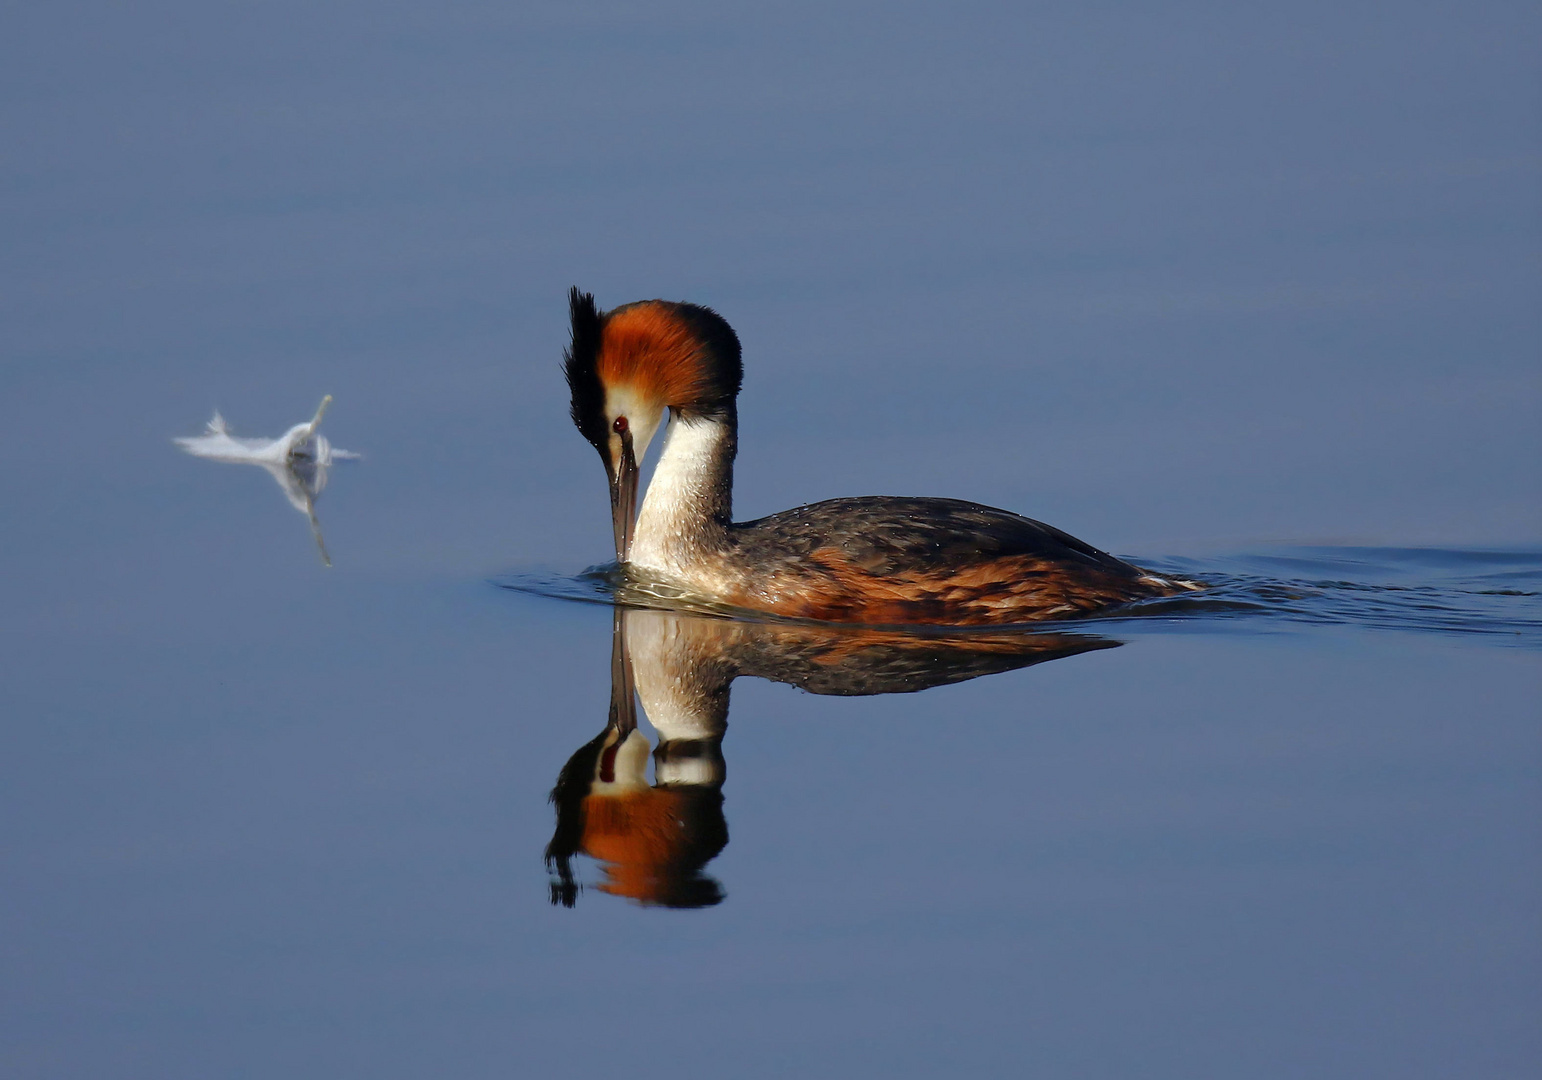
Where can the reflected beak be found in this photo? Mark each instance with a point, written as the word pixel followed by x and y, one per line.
pixel 623 499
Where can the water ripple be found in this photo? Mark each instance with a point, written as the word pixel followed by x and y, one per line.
pixel 1496 595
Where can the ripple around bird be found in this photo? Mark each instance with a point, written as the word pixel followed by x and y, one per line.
pixel 1491 593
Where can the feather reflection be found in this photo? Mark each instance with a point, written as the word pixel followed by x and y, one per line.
pixel 654 839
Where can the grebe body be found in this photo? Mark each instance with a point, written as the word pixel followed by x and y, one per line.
pixel 877 560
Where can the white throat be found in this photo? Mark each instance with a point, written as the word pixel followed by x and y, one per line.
pixel 688 505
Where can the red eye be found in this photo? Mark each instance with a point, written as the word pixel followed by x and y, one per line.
pixel 620 425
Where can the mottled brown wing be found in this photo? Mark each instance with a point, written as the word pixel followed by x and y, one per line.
pixel 884 559
pixel 887 535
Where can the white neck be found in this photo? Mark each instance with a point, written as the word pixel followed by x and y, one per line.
pixel 689 504
pixel 682 676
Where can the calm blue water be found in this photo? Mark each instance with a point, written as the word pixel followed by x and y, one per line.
pixel 1248 296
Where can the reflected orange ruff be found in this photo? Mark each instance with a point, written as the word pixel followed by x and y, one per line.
pixel 640 838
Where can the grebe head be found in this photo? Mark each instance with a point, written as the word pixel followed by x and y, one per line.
pixel 626 366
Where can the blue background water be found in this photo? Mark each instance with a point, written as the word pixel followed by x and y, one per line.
pixel 1181 281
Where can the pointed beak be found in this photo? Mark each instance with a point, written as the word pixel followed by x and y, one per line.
pixel 623 498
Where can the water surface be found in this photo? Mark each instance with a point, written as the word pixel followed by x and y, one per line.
pixel 1179 282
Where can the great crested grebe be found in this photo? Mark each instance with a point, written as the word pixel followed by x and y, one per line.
pixel 877 560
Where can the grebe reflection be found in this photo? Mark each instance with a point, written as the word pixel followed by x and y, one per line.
pixel 654 840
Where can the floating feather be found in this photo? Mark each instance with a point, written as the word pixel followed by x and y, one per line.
pixel 298 460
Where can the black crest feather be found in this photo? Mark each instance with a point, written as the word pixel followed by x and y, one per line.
pixel 579 365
